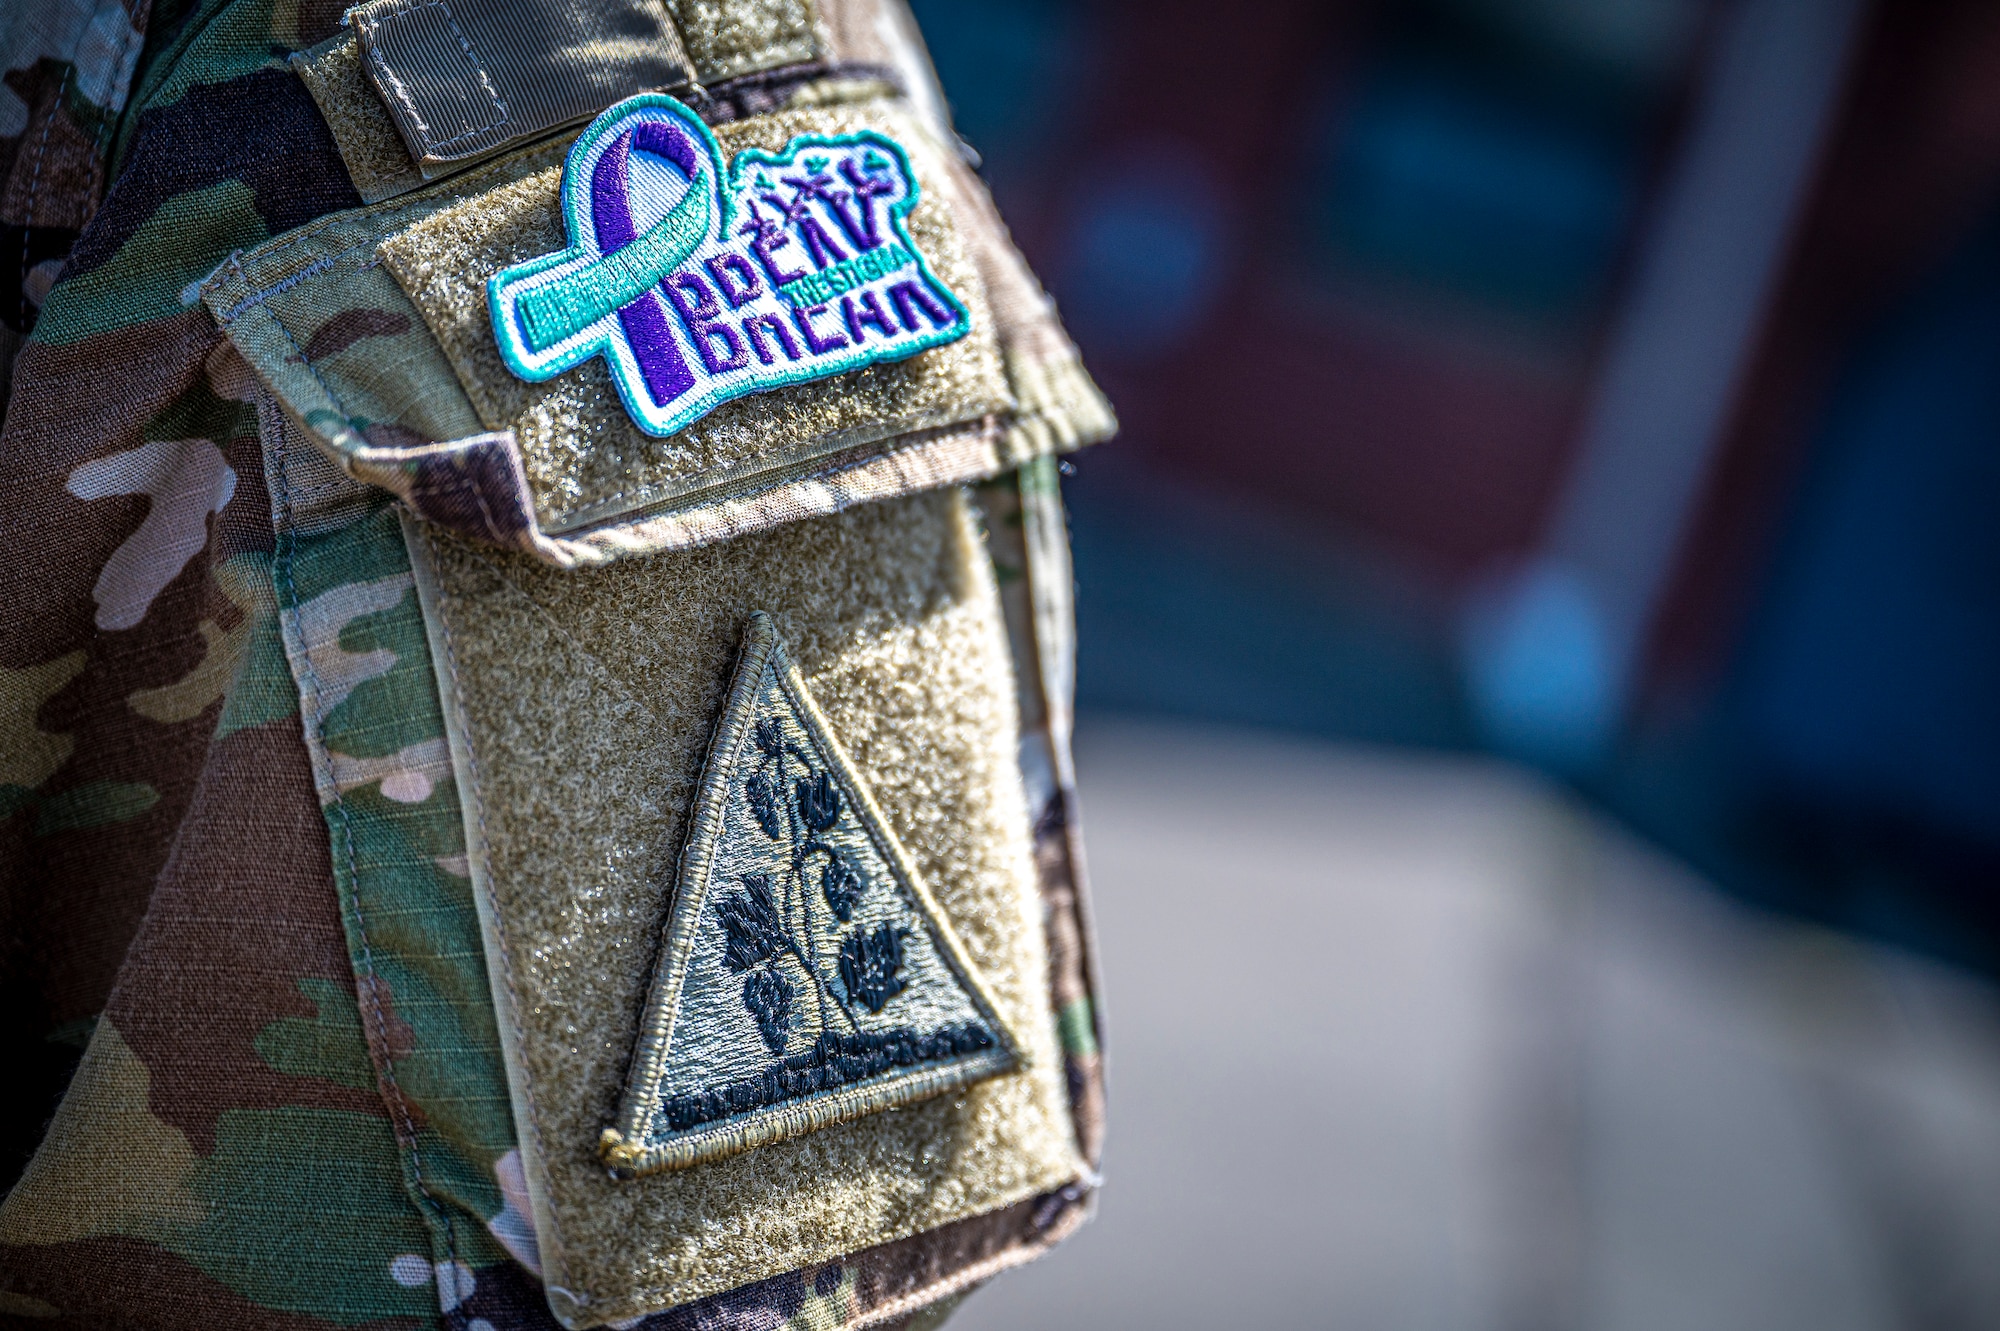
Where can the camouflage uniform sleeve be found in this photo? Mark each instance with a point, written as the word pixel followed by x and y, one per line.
pixel 240 940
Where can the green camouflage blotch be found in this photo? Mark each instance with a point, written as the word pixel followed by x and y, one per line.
pixel 13 799
pixel 200 414
pixel 107 1165
pixel 306 1212
pixel 263 690
pixel 220 41
pixel 396 709
pixel 30 755
pixel 330 1046
pixel 94 804
pixel 366 550
pixel 1079 1032
pixel 173 248
pixel 423 948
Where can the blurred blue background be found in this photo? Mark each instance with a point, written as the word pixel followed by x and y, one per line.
pixel 1579 419
pixel 1366 282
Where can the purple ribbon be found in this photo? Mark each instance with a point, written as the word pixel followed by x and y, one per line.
pixel 661 364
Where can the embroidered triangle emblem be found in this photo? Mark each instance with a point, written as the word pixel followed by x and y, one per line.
pixel 807 977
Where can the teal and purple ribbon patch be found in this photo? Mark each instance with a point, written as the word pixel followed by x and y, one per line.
pixel 698 285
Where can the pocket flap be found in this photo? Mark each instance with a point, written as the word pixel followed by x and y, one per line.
pixel 701 332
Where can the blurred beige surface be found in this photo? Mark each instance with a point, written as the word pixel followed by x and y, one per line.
pixel 1409 1041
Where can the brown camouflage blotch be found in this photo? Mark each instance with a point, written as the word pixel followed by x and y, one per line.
pixel 72 404
pixel 346 328
pixel 111 1284
pixel 226 628
pixel 76 898
pixel 319 20
pixel 244 524
pixel 234 924
pixel 88 886
pixel 388 434
pixel 57 177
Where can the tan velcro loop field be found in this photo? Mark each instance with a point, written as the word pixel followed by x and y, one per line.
pixel 587 461
pixel 576 740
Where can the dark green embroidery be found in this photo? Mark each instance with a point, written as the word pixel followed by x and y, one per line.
pixel 807 975
pixel 751 920
pixel 833 1061
pixel 765 925
pixel 768 995
pixel 869 962
pixel 841 886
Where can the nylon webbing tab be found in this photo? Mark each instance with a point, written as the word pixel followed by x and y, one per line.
pixel 462 78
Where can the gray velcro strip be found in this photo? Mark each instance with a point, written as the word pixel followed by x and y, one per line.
pixel 463 78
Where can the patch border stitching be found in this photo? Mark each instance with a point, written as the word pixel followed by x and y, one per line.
pixel 504 288
pixel 621 1145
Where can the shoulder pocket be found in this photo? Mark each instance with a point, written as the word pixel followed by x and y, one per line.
pixel 786 985
pixel 844 321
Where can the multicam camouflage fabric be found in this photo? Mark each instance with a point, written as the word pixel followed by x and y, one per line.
pixel 251 958
pixel 68 65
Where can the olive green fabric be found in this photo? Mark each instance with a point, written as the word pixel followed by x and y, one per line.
pixel 581 705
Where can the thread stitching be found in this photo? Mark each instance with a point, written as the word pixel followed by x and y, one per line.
pixel 280 287
pixel 311 369
pixel 493 528
pixel 405 1123
pixel 375 58
pixel 306 235
pixel 35 178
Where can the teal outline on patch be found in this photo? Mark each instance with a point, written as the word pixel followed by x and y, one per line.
pixel 699 300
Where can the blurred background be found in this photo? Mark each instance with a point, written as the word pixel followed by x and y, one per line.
pixel 1540 736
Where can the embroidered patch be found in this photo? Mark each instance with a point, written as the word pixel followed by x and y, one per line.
pixel 698 286
pixel 807 976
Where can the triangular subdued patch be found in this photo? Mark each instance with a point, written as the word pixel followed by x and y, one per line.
pixel 807 977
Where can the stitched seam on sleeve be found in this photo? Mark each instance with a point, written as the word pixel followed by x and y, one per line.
pixel 405 1123
pixel 35 179
pixel 278 288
